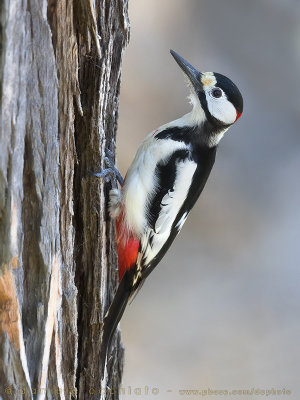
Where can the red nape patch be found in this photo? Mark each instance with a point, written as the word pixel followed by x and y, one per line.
pixel 238 114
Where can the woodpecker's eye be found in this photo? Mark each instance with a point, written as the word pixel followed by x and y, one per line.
pixel 217 92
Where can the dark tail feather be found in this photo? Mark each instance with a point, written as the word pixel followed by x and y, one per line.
pixel 114 314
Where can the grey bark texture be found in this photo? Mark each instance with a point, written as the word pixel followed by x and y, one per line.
pixel 60 67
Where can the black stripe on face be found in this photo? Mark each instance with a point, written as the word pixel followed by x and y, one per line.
pixel 232 92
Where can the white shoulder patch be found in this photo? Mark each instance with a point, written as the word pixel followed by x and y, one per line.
pixel 170 207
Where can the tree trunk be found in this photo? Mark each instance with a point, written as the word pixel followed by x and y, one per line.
pixel 59 80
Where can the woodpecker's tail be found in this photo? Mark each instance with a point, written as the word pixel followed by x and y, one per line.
pixel 114 314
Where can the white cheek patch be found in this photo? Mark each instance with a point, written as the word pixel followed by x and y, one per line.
pixel 221 108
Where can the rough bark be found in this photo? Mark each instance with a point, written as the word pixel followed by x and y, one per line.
pixel 59 79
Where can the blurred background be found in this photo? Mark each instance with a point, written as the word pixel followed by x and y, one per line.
pixel 222 309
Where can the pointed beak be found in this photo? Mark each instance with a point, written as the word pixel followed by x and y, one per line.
pixel 193 75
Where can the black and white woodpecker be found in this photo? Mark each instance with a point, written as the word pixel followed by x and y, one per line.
pixel 164 181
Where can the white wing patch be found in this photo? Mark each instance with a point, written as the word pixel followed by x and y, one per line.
pixel 154 239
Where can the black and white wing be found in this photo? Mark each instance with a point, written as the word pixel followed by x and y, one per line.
pixel 166 212
pixel 179 184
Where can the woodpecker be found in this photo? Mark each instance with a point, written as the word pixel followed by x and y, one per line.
pixel 164 181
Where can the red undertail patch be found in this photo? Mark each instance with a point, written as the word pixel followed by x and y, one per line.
pixel 127 247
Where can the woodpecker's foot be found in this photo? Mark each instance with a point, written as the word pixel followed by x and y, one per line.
pixel 111 172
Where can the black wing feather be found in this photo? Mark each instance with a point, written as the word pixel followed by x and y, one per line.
pixel 204 157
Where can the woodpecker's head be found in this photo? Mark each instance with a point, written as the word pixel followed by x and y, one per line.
pixel 220 100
